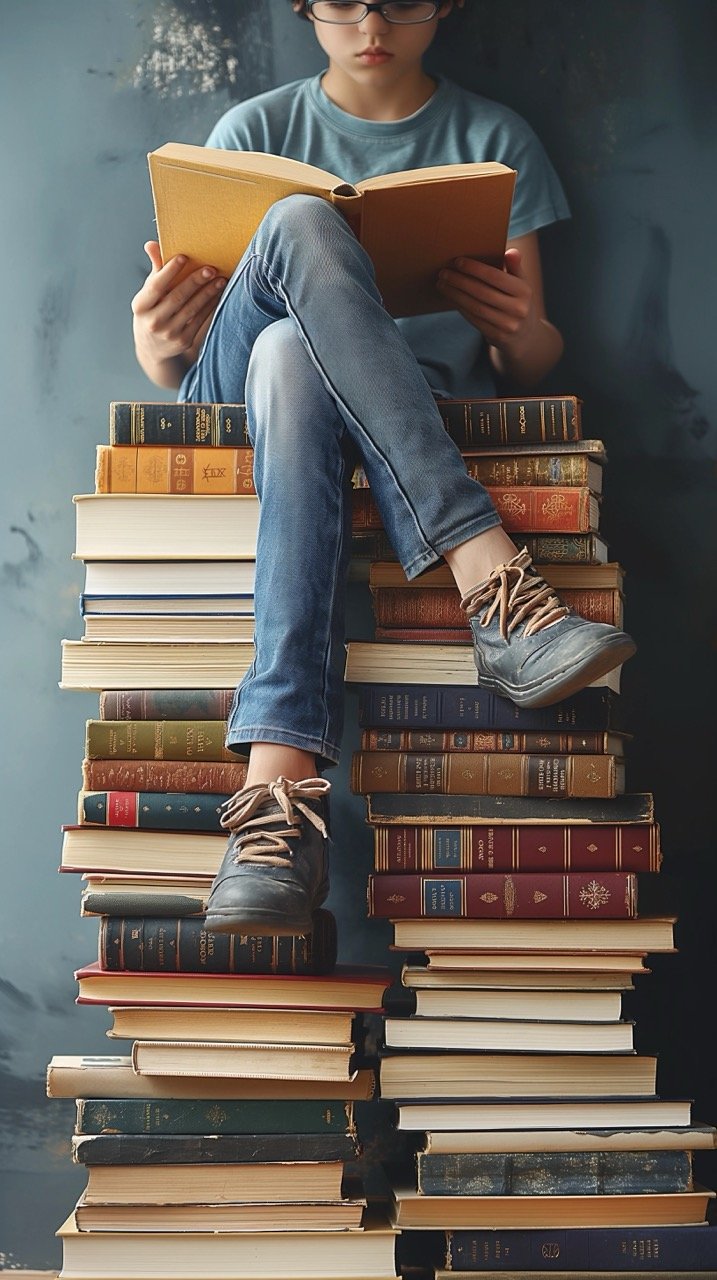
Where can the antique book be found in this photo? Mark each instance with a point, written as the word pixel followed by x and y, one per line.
pixel 574 462
pixel 546 962
pixel 151 810
pixel 380 662
pixel 647 1251
pixel 470 1076
pixel 530 742
pixel 167 1022
pixel 153 664
pixel 144 894
pixel 212 1148
pixel 475 981
pixel 487 773
pixel 400 808
pixel 93 848
pixel 626 1140
pixel 552 1173
pixel 522 509
pixel 172 469
pixel 156 740
pixel 212 1183
pixel 165 704
pixel 482 847
pixel 215 1058
pixel 208 203
pixel 646 933
pixel 281 976
pixel 403 610
pixel 331 1216
pixel 356 1255
pixel 544 548
pixel 163 776
pixel 505 1035
pixel 169 526
pixel 199 1116
pixel 490 1119
pixel 571 895
pixel 171 422
pixel 629 1209
pixel 466 706
pixel 389 573
pixel 111 1076
pixel 143 944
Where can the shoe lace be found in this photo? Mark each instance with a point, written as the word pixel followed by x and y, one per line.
pixel 242 816
pixel 518 592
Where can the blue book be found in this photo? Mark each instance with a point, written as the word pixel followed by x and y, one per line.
pixel 414 706
pixel 681 1248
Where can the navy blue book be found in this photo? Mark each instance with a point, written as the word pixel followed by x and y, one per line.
pixel 688 1248
pixel 553 1173
pixel 224 1148
pixel 413 706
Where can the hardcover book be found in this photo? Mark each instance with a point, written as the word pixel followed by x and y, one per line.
pixel 522 509
pixel 684 1250
pixel 275 1061
pixel 211 1148
pixel 629 1142
pixel 470 1076
pixel 165 704
pixel 480 895
pixel 396 808
pixel 503 847
pixel 208 203
pixel 159 777
pixel 646 933
pixel 151 810
pixel 168 469
pixel 167 1117
pixel 551 1173
pixel 170 526
pixel 143 944
pixel 487 773
pixel 269 1026
pixel 154 664
pixel 626 1210
pixel 504 1035
pixel 400 705
pixel 380 662
pixel 161 422
pixel 491 1118
pixel 157 740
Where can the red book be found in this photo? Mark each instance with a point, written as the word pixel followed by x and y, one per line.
pixel 522 509
pixel 533 740
pixel 415 607
pixel 494 896
pixel 560 846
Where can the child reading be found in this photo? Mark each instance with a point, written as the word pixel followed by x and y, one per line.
pixel 299 333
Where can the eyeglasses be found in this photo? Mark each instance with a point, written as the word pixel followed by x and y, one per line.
pixel 344 12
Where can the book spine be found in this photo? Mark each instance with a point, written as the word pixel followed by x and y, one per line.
pixel 543 548
pixel 494 896
pixel 147 422
pixel 552 1173
pixel 163 776
pixel 477 741
pixel 521 509
pixel 480 847
pixel 143 904
pixel 439 607
pixel 473 424
pixel 149 945
pixel 165 704
pixel 151 810
pixel 113 1149
pixel 491 773
pixel 586 1249
pixel 425 635
pixel 186 1116
pixel 469 707
pixel 534 469
pixel 396 808
pixel 157 740
pixel 148 469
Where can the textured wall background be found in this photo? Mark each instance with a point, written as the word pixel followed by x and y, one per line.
pixel 622 95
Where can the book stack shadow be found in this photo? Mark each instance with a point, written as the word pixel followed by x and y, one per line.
pixel 518 874
pixel 220 1138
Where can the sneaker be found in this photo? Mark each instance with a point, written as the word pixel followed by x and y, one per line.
pixel 528 645
pixel 275 870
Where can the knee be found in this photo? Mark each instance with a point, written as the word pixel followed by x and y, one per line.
pixel 281 384
pixel 278 358
pixel 303 217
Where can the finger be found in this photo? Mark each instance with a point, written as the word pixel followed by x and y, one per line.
pixel 198 303
pixel 514 263
pixel 514 305
pixel 162 295
pixel 484 316
pixel 195 325
pixel 153 252
pixel 483 275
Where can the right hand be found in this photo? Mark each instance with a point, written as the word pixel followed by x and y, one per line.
pixel 168 316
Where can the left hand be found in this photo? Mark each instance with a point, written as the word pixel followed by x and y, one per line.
pixel 500 302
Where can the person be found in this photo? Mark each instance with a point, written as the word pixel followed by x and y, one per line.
pixel 300 335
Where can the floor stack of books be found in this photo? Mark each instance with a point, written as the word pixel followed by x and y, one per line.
pixel 507 856
pixel 223 1142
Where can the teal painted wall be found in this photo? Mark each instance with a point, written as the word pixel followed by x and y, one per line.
pixel 622 94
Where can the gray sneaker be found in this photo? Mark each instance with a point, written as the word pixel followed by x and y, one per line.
pixel 528 645
pixel 275 870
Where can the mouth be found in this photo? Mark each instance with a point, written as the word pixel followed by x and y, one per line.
pixel 374 53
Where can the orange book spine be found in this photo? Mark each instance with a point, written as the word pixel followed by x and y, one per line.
pixel 528 743
pixel 488 773
pixel 418 606
pixel 564 509
pixel 162 469
pixel 189 776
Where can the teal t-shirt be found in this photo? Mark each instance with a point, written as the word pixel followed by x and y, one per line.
pixel 453 127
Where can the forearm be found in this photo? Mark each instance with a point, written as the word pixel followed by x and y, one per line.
pixel 528 363
pixel 167 373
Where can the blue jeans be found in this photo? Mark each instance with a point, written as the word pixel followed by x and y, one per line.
pixel 301 336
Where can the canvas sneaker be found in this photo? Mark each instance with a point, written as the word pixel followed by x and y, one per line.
pixel 528 645
pixel 275 871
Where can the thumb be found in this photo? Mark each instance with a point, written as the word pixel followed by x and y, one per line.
pixel 513 262
pixel 152 250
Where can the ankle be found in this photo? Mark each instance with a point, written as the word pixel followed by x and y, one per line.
pixel 473 561
pixel 271 760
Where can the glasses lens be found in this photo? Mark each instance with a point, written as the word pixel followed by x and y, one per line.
pixel 398 11
pixel 402 11
pixel 337 11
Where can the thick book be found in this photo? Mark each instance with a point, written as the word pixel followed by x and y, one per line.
pixel 172 526
pixel 543 548
pixel 539 1142
pixel 165 704
pixel 355 987
pixel 487 773
pixel 212 1148
pixel 610 576
pixel 157 740
pixel 643 934
pixel 572 895
pixel 160 422
pixel 143 894
pixel 522 509
pixel 382 662
pixel 178 628
pixel 626 1250
pixel 111 1076
pixel 403 610
pixel 490 1118
pixel 629 1209
pixel 153 664
pixel 533 1004
pixel 172 469
pixel 577 462
pixel 159 777
pixel 166 585
pixel 551 1173
pixel 209 202
pixel 481 847
pixel 335 1216
pixel 216 1255
pixel 505 1035
pixel 471 1076
pixel 466 706
pixel 400 808
pixel 117 849
pixel 531 742
pixel 151 810
pixel 259 1025
pixel 278 1061
pixel 143 944
pixel 167 1117
pixel 210 1183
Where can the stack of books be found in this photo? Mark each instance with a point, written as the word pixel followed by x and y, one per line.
pixel 224 1141
pixel 507 853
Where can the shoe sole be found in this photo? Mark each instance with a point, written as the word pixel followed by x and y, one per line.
pixel 567 681
pixel 263 924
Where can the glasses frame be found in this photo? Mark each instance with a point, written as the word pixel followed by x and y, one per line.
pixel 373 8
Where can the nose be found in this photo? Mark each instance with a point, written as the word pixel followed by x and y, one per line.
pixel 374 23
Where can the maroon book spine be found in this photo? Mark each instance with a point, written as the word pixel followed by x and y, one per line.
pixel 494 896
pixel 587 847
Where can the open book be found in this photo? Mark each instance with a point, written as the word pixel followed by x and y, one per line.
pixel 208 203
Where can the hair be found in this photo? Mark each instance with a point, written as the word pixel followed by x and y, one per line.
pixel 299 7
